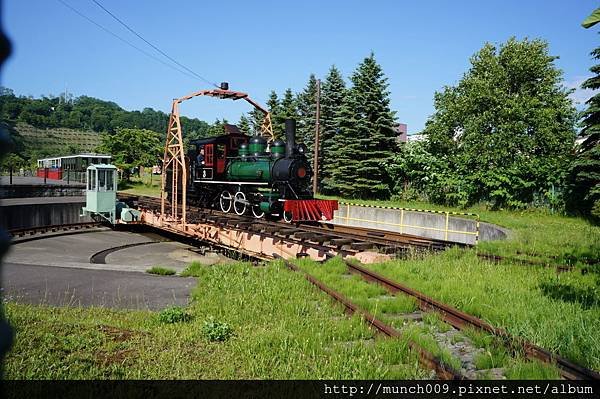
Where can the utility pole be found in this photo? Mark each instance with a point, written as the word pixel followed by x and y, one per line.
pixel 316 146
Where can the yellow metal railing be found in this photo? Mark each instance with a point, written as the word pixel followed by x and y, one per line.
pixel 446 230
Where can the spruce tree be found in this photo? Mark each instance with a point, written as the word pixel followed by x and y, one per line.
pixel 584 174
pixel 367 138
pixel 333 91
pixel 275 109
pixel 307 108
pixel 256 120
pixel 289 107
pixel 244 124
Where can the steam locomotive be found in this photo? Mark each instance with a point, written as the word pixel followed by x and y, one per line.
pixel 246 175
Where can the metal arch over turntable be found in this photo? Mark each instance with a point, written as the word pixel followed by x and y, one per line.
pixel 174 154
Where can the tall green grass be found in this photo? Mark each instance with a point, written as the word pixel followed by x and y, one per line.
pixel 283 328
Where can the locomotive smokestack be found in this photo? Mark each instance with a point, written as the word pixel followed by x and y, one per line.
pixel 290 137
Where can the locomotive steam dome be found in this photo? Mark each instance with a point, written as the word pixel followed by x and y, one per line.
pixel 258 145
pixel 243 150
pixel 278 149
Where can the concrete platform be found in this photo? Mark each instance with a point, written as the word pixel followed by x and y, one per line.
pixel 57 271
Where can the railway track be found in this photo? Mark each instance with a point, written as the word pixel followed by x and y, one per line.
pixel 454 317
pixel 461 320
pixel 36 233
pixel 426 358
pixel 343 240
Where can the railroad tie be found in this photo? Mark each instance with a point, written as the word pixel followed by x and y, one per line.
pixel 361 245
pixel 286 232
pixel 341 241
pixel 305 235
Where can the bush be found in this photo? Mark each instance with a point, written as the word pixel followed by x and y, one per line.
pixel 216 331
pixel 173 315
pixel 161 271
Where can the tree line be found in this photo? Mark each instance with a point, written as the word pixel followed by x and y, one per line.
pixel 86 113
pixel 505 135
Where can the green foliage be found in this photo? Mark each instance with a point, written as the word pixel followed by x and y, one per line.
pixel 194 269
pixel 161 271
pixel 282 110
pixel 366 138
pixel 307 111
pixel 257 118
pixel 87 116
pixel 332 96
pixel 217 331
pixel 592 19
pixel 86 113
pixel 132 148
pixel 583 195
pixel 506 130
pixel 174 314
pixel 217 128
pixel 12 161
pixel 274 107
pixel 244 125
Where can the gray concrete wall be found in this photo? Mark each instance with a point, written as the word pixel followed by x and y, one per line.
pixel 33 190
pixel 419 223
pixel 21 215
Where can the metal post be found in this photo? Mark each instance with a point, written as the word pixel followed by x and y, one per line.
pixel 45 174
pixel 316 145
pixel 11 172
pixel 68 177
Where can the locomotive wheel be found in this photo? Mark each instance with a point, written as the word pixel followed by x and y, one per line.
pixel 287 216
pixel 257 212
pixel 225 201
pixel 239 203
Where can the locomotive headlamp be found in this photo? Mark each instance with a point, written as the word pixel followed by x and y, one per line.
pixel 302 148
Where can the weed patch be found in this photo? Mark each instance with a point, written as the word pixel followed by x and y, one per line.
pixel 216 331
pixel 161 271
pixel 173 315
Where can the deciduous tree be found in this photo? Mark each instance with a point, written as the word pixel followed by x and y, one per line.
pixel 507 128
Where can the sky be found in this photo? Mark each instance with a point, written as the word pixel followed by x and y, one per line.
pixel 258 46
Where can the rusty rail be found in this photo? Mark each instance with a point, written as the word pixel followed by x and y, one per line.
pixel 426 358
pixel 460 320
pixel 66 228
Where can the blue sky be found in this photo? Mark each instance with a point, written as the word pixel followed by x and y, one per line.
pixel 262 45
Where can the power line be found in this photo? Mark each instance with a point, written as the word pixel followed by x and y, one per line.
pixel 152 45
pixel 124 41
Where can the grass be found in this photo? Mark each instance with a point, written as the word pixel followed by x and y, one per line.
pixel 371 297
pixel 147 184
pixel 193 269
pixel 510 296
pixel 535 233
pixel 161 271
pixel 283 327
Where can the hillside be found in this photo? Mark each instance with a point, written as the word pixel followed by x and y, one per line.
pixel 32 143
